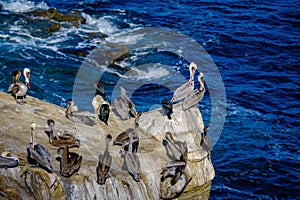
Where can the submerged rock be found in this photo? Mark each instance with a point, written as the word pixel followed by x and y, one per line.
pixel 41 27
pixel 29 182
pixel 74 18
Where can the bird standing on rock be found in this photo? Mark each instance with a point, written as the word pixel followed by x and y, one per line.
pixel 104 163
pixel 100 89
pixel 205 140
pixel 132 161
pixel 62 140
pixel 104 113
pixel 176 168
pixel 70 162
pixel 196 95
pixel 167 108
pixel 17 88
pixel 123 138
pixel 175 148
pixel 38 152
pixel 81 116
pixel 182 91
pixel 8 160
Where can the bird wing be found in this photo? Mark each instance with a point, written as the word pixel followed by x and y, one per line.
pixel 192 99
pixel 182 91
pixel 42 156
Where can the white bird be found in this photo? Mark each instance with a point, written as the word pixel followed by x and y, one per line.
pixel 182 91
pixel 196 95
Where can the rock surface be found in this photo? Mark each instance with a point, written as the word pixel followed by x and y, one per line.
pixel 30 182
pixel 73 18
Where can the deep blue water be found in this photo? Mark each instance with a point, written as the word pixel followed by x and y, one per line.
pixel 254 45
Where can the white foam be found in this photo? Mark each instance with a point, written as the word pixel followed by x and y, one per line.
pixel 126 37
pixel 102 24
pixel 22 5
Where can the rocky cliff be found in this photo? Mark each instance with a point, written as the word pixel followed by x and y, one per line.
pixel 31 182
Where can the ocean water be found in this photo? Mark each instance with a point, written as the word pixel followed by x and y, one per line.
pixel 253 45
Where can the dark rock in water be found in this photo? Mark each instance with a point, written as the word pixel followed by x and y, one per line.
pixel 74 51
pixel 1 7
pixel 74 18
pixel 96 35
pixel 41 27
pixel 123 70
pixel 119 52
pixel 113 53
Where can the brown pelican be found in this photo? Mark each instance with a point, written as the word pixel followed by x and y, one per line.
pixel 79 116
pixel 104 162
pixel 70 161
pixel 17 88
pixel 196 95
pixel 124 106
pixel 167 108
pixel 38 152
pixel 175 149
pixel 7 160
pixel 174 169
pixel 187 87
pixel 123 138
pixel 62 140
pixel 132 161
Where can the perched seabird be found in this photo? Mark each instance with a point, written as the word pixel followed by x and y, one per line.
pixel 100 89
pixel 104 113
pixel 174 169
pixel 196 95
pixel 8 160
pixel 124 106
pixel 205 141
pixel 175 149
pixel 38 152
pixel 104 163
pixel 79 116
pixel 123 138
pixel 61 140
pixel 17 88
pixel 70 162
pixel 132 161
pixel 167 108
pixel 182 91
